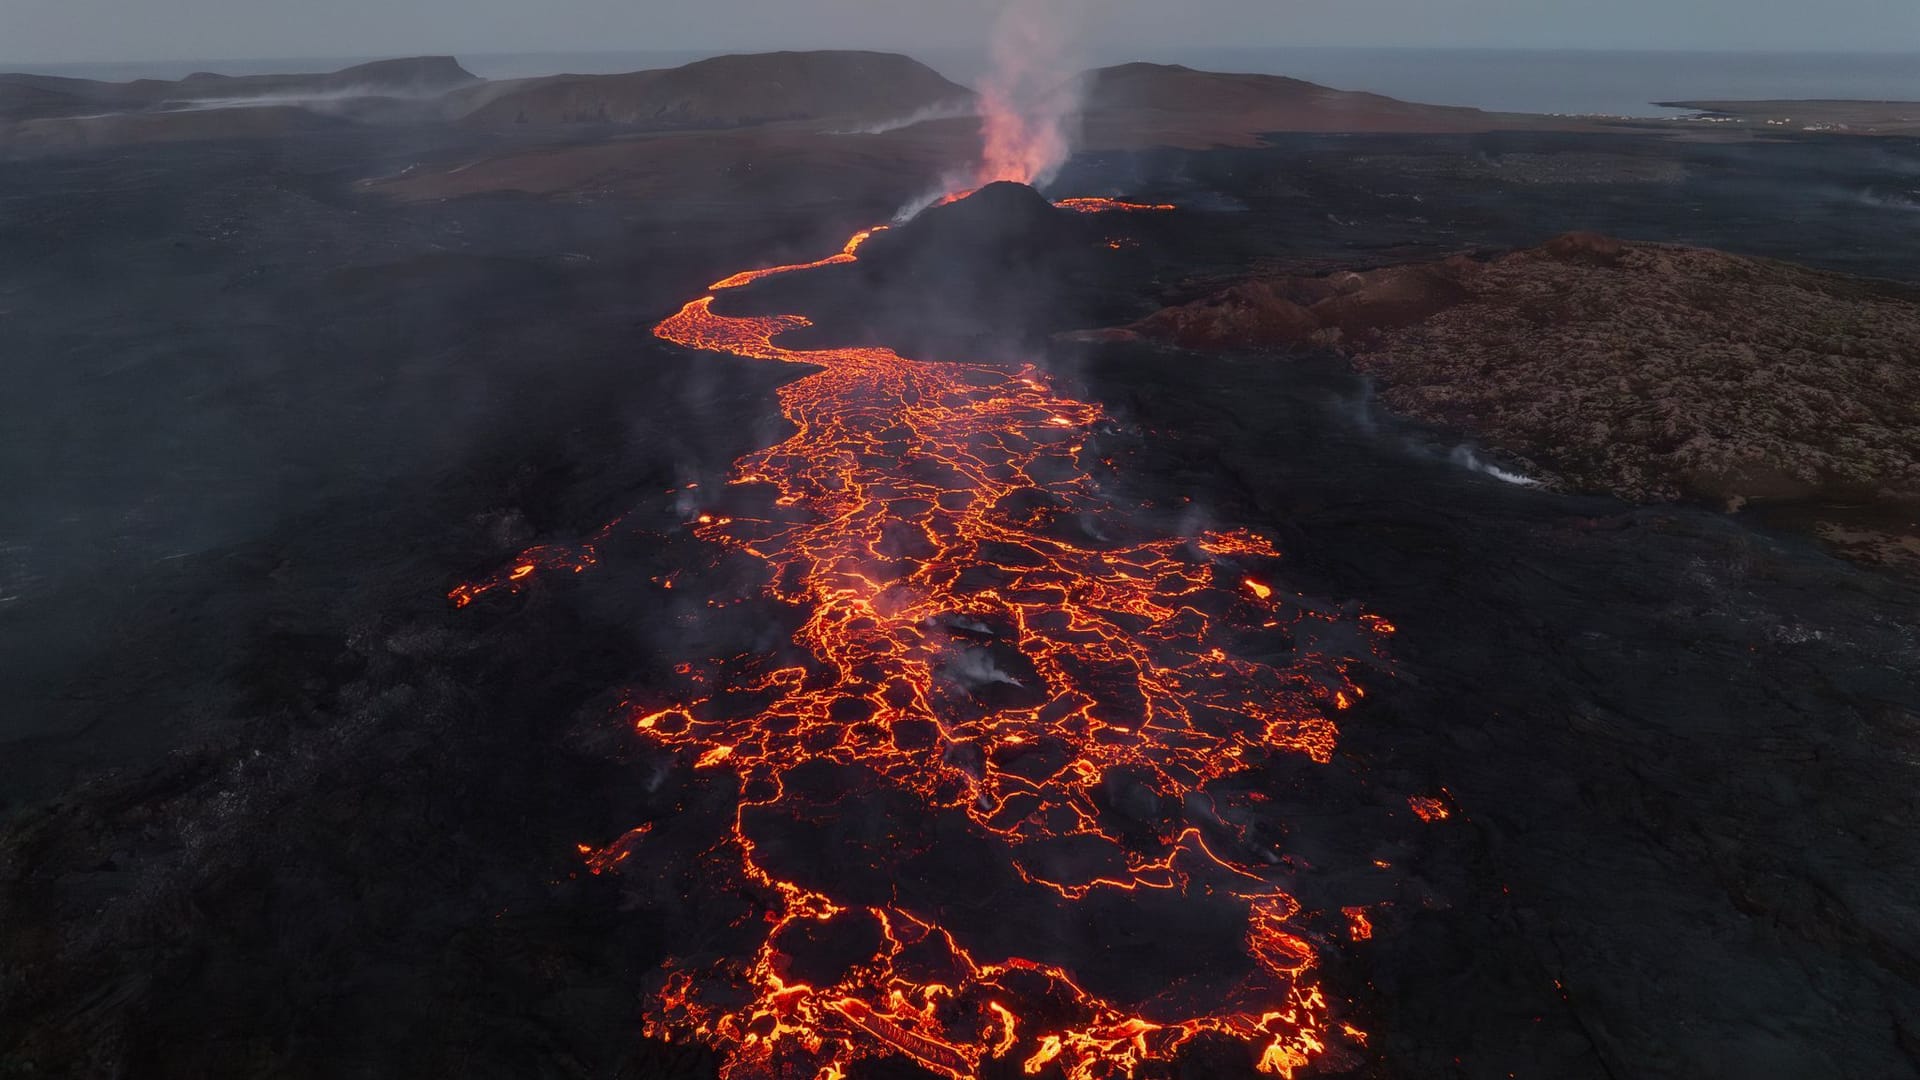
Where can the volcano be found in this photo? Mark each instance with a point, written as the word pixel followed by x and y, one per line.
pixel 999 224
pixel 988 273
pixel 649 619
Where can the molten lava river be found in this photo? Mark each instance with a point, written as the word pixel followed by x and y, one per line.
pixel 1050 702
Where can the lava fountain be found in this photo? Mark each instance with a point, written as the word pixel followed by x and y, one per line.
pixel 1029 101
pixel 988 640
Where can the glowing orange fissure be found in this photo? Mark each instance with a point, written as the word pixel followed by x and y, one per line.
pixel 978 467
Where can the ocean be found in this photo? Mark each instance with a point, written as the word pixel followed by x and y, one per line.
pixel 1610 83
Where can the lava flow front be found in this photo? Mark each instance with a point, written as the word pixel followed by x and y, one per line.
pixel 987 641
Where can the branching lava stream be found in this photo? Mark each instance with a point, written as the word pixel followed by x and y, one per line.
pixel 990 638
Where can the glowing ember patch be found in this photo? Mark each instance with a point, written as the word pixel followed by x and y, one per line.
pixel 1050 1048
pixel 599 861
pixel 1008 1029
pixel 651 720
pixel 1264 592
pixel 713 757
pixel 531 562
pixel 1359 926
pixel 1237 543
pixel 1429 809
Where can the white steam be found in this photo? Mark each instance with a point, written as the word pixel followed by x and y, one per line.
pixel 1467 459
pixel 939 110
pixel 317 100
pixel 1030 98
pixel 974 669
pixel 927 198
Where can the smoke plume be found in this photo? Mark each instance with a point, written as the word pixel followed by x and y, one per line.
pixel 1030 97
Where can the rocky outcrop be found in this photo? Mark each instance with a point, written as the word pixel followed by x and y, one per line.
pixel 1650 372
pixel 1340 310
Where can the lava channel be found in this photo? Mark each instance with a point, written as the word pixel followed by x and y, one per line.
pixel 976 651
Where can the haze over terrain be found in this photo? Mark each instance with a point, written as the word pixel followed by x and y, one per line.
pixel 770 554
pixel 51 31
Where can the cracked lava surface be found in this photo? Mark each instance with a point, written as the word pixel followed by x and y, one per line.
pixel 989 638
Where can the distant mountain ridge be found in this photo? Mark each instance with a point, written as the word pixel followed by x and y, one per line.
pixel 27 97
pixel 1141 103
pixel 44 112
pixel 724 90
pixel 884 95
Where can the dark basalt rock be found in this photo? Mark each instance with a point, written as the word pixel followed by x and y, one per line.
pixel 1001 224
pixel 1343 309
pixel 1000 267
pixel 1586 247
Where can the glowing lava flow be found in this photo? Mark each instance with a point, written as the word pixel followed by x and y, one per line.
pixel 990 639
pixel 1097 205
pixel 846 255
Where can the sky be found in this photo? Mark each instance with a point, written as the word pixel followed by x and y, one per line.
pixel 56 31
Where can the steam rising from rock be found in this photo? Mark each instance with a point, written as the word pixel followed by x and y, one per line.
pixel 1029 98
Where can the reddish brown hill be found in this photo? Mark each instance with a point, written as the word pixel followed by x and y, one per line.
pixel 723 91
pixel 1647 371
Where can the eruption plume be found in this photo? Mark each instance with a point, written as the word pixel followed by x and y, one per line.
pixel 1029 101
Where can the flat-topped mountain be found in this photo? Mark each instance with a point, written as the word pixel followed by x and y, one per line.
pixel 723 91
pixel 1141 104
pixel 410 75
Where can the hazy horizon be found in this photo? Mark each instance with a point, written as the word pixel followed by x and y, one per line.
pixel 1558 81
pixel 925 54
pixel 42 32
